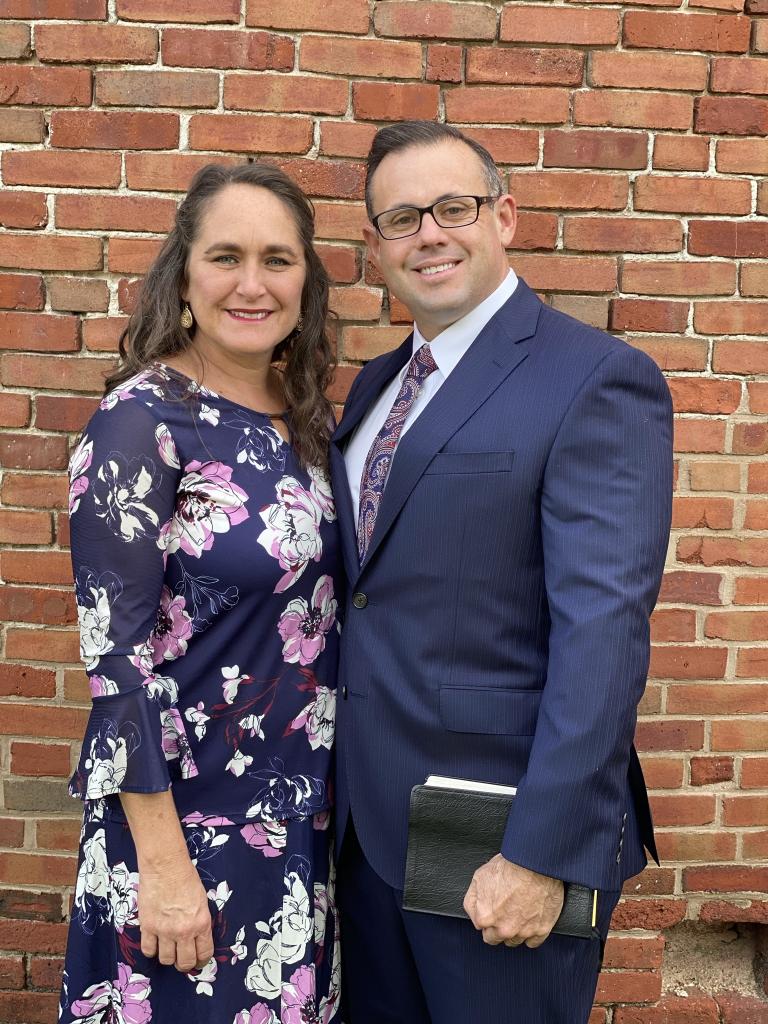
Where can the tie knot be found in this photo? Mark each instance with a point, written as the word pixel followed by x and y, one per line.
pixel 423 362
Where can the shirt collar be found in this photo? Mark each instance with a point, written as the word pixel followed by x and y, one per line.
pixel 450 345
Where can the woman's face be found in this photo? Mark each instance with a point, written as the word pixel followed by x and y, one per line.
pixel 245 274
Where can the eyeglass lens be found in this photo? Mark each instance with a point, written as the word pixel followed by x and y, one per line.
pixel 449 213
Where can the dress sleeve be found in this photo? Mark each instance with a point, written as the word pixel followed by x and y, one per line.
pixel 124 475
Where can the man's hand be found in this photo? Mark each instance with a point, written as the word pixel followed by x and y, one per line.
pixel 513 905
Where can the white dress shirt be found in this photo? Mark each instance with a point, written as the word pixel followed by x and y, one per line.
pixel 447 349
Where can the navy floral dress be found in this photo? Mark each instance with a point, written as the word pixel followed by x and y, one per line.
pixel 204 559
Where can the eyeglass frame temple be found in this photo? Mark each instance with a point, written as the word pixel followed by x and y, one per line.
pixel 421 210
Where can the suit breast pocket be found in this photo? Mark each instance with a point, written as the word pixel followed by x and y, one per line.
pixel 445 463
pixel 489 710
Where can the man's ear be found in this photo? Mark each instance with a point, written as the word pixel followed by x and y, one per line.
pixel 373 241
pixel 505 209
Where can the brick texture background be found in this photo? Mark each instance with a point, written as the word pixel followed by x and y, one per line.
pixel 634 137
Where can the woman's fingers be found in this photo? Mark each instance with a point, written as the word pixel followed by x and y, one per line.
pixel 148 943
pixel 203 949
pixel 166 953
pixel 186 956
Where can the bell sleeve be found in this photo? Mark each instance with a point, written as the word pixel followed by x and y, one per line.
pixel 124 475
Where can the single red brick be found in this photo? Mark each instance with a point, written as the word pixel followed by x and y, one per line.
pixel 101 44
pixel 537 23
pixel 628 986
pixel 21 292
pixel 732 115
pixel 48 167
pixel 753 589
pixel 735 1007
pixel 669 735
pixel 691 195
pixel 102 334
pixel 40 759
pixel 78 295
pixel 739 74
pixel 709 771
pixel 15 41
pixel 706 396
pixel 648 70
pixel 25 681
pixel 201 11
pixel 688 587
pixel 755 912
pixel 524 67
pixel 718 33
pixel 339 220
pixel 719 699
pixel 60 645
pixel 663 772
pixel 46 972
pixel 673 624
pixel 26 451
pixel 649 914
pixel 739 734
pixel 157 89
pixel 11 967
pixel 681 153
pixel 23 210
pixel 687 663
pixel 750 438
pixel 345 138
pixel 624 234
pixel 628 108
pixel 434 19
pixel 54 373
pixel 674 353
pixel 573 273
pixel 115 213
pixel 114 129
pixel 722 551
pixel 595 149
pixel 747 357
pixel 699 435
pixel 21 126
pixel 163 172
pixel 252 133
pixel 508 145
pixel 30 85
pixel 380 58
pixel 305 94
pixel 673 277
pixel 15 411
pixel 753 279
pixel 569 190
pixel 696 847
pixel 648 315
pixel 332 15
pixel 326 178
pixel 341 262
pixel 227 48
pixel 508 105
pixel 56 10
pixel 731 317
pixel 445 63
pixel 385 101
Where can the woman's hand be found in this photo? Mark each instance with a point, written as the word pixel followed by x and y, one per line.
pixel 174 917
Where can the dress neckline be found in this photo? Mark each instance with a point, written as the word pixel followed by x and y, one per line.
pixel 195 386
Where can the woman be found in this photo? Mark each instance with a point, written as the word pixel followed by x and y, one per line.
pixel 204 550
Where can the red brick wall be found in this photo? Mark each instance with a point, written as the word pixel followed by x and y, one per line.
pixel 634 140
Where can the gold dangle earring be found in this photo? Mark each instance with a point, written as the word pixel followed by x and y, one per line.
pixel 186 319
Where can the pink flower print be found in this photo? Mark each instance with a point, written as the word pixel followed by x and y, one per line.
pixel 175 742
pixel 198 818
pixel 258 1014
pixel 298 997
pixel 318 719
pixel 78 464
pixel 303 627
pixel 208 503
pixel 126 1001
pixel 320 487
pixel 102 687
pixel 166 446
pixel 292 530
pixel 268 837
pixel 172 630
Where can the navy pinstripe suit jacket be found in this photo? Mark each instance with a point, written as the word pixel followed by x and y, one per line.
pixel 503 633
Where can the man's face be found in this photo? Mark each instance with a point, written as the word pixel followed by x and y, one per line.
pixel 471 259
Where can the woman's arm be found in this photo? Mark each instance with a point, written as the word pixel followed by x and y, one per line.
pixel 174 918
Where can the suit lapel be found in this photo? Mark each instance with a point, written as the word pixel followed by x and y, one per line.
pixel 494 354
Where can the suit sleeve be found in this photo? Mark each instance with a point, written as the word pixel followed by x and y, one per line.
pixel 124 476
pixel 605 511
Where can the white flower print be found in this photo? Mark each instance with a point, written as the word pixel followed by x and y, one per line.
pixel 252 725
pixel 207 503
pixel 141 381
pixel 204 979
pixel 220 894
pixel 93 876
pixel 166 446
pixel 261 447
pixel 297 920
pixel 175 742
pixel 292 530
pixel 238 763
pixel 94 620
pixel 124 1001
pixel 263 975
pixel 106 774
pixel 78 464
pixel 232 680
pixel 209 414
pixel 119 492
pixel 318 718
pixel 124 896
pixel 238 949
pixel 164 689
pixel 198 716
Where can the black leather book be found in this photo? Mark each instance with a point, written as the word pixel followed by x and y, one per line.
pixel 451 833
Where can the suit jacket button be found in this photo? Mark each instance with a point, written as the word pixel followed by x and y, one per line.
pixel 359 600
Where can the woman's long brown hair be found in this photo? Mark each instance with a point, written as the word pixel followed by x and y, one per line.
pixel 154 330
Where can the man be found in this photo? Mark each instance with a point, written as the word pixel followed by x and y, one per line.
pixel 503 485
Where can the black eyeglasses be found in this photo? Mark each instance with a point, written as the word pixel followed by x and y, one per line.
pixel 456 212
